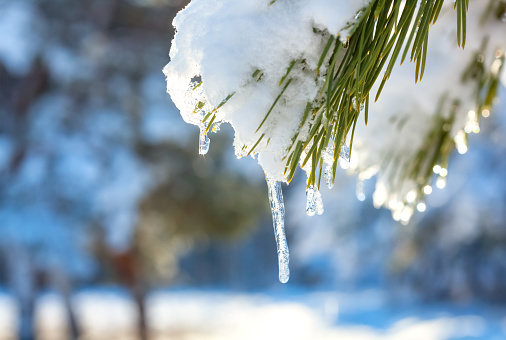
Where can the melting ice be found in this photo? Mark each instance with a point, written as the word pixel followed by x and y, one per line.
pixel 345 153
pixel 278 220
pixel 328 158
pixel 203 142
pixel 314 201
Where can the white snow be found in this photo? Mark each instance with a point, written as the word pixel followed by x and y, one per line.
pixel 199 315
pixel 225 42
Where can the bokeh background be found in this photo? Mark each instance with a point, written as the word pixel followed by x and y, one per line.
pixel 113 227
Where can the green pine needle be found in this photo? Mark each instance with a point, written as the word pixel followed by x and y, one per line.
pixel 353 69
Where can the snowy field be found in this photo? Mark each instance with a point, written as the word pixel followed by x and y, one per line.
pixel 209 315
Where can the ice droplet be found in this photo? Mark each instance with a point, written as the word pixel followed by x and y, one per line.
pixel 203 142
pixel 314 201
pixel 318 202
pixel 345 153
pixel 328 159
pixel 310 201
pixel 278 220
pixel 329 180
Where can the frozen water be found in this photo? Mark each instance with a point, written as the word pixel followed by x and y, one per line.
pixel 318 202
pixel 278 220
pixel 203 142
pixel 310 201
pixel 329 180
pixel 314 201
pixel 219 46
pixel 345 153
pixel 328 159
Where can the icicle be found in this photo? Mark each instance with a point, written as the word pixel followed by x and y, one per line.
pixel 345 153
pixel 314 201
pixel 328 159
pixel 310 201
pixel 318 202
pixel 329 177
pixel 278 220
pixel 203 142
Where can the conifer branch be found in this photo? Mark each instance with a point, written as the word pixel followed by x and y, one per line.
pixel 378 36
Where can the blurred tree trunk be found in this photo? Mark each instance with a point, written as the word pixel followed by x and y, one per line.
pixel 127 267
pixel 61 281
pixel 22 282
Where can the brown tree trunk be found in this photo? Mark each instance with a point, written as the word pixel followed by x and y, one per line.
pixel 128 269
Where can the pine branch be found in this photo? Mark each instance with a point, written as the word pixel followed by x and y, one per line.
pixel 380 33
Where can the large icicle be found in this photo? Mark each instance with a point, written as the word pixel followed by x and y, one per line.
pixel 278 220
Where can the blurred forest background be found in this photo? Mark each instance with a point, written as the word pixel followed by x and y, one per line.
pixel 101 185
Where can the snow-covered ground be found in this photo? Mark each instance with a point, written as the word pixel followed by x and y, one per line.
pixel 204 314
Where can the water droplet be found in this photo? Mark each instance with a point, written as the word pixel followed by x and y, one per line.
pixel 411 196
pixel 406 214
pixel 278 221
pixel 441 182
pixel 461 142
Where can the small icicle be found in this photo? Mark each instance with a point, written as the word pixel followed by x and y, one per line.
pixel 278 220
pixel 328 159
pixel 310 201
pixel 329 180
pixel 203 142
pixel 318 202
pixel 345 153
